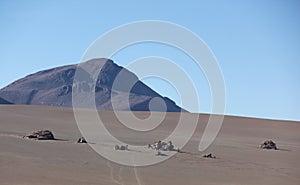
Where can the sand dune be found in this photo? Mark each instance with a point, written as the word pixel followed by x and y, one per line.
pixel 63 161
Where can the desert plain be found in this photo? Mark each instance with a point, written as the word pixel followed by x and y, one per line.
pixel 65 162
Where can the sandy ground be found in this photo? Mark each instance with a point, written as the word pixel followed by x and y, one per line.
pixel 63 161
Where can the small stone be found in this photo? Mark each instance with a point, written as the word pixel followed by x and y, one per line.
pixel 81 140
pixel 209 156
pixel 121 147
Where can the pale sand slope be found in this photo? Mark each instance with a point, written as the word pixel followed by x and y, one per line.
pixel 63 161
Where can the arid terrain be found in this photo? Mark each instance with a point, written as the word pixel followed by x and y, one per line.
pixel 63 161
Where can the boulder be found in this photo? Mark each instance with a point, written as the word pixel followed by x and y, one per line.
pixel 41 135
pixel 268 144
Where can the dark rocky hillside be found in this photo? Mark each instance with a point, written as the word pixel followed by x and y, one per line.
pixel 53 87
pixel 3 101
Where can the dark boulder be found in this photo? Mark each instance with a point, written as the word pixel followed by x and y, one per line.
pixel 268 144
pixel 81 140
pixel 41 135
pixel 209 156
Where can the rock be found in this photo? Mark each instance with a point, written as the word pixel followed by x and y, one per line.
pixel 81 140
pixel 122 147
pixel 163 146
pixel 268 144
pixel 41 135
pixel 209 156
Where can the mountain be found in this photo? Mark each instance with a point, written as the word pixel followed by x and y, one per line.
pixel 3 101
pixel 53 87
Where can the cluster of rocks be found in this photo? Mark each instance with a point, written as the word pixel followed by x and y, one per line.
pixel 162 146
pixel 41 135
pixel 268 144
pixel 121 147
pixel 47 135
pixel 157 145
pixel 209 156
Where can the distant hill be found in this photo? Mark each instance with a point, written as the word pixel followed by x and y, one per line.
pixel 53 87
pixel 3 101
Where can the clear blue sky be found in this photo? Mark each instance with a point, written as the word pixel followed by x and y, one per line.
pixel 257 44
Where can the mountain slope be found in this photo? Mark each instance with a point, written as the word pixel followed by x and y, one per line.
pixel 3 101
pixel 54 87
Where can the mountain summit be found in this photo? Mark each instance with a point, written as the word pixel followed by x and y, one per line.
pixel 53 87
